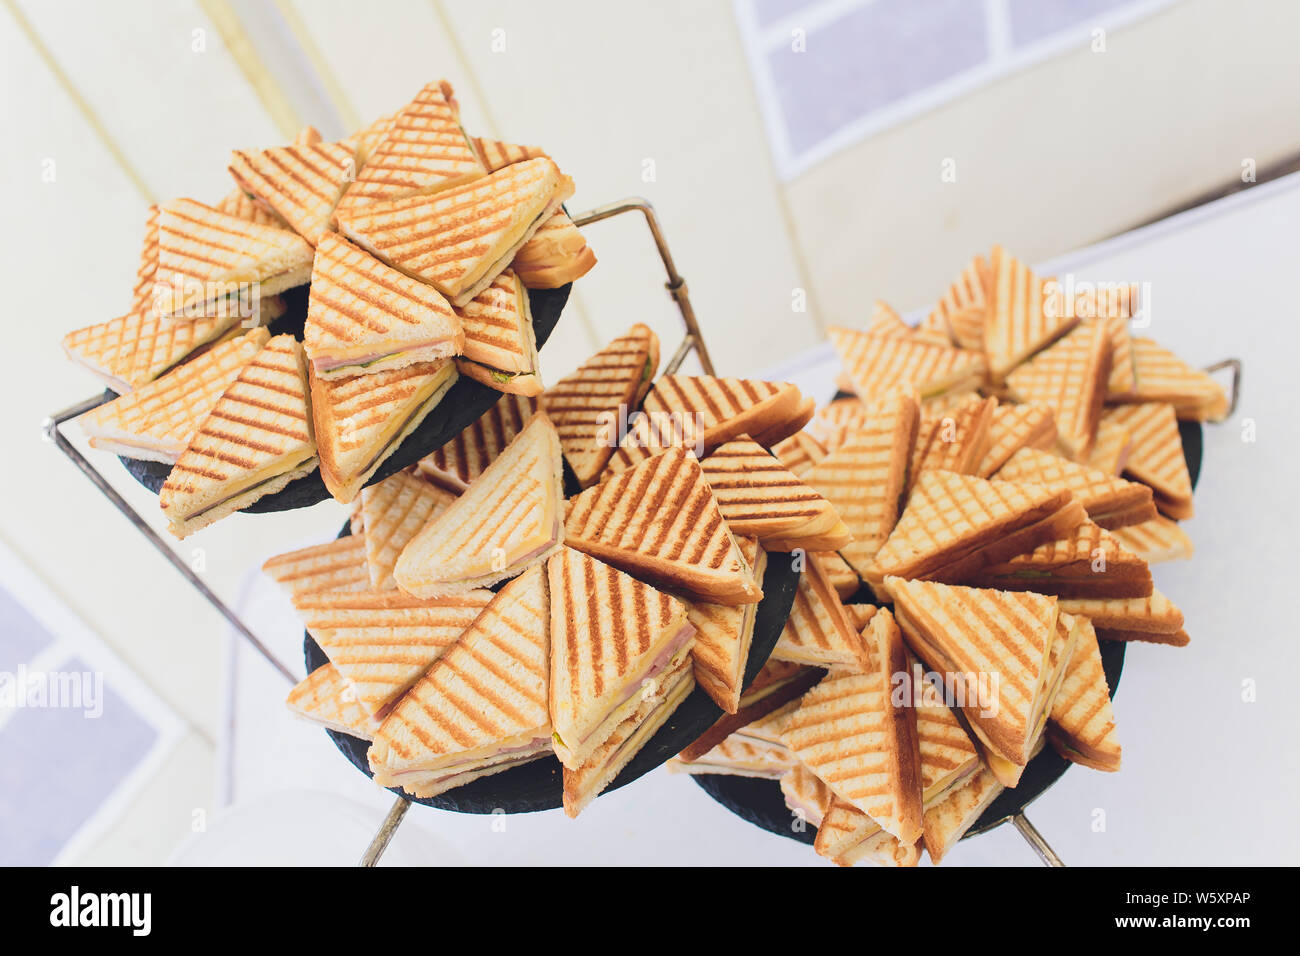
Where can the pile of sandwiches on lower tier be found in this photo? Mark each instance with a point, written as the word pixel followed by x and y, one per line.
pixel 418 245
pixel 1009 469
pixel 475 620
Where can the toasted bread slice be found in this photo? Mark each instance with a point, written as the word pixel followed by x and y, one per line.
pixel 497 154
pixel 509 519
pixel 723 634
pixel 799 452
pixel 775 690
pixel 806 796
pixel 338 565
pixel 661 521
pixel 325 698
pixel 1156 540
pixel 366 140
pixel 556 255
pixel 156 421
pixel 586 406
pixel 886 322
pixel 759 497
pixel 839 573
pixel 724 408
pixel 301 183
pixel 1015 427
pixel 847 836
pixel 875 365
pixel 255 440
pixel 362 420
pixel 382 641
pixel 1111 502
pixel 853 733
pixel 1082 727
pixel 1154 619
pixel 1163 377
pixel 954 439
pixel 1156 455
pixel 819 630
pixel 239 204
pixel 1111 449
pixel 1070 379
pixel 365 317
pixel 1087 563
pixel 456 464
pixel 392 513
pixel 949 819
pixel 864 478
pixel 1016 325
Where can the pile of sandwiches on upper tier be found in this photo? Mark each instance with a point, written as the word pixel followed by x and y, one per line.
pixel 418 245
pixel 610 607
pixel 1008 471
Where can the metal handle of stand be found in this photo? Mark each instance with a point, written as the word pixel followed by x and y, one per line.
pixel 386 830
pixel 676 285
pixel 1035 840
pixel 50 427
pixel 1235 365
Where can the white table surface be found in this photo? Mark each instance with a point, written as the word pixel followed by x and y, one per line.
pixel 1208 777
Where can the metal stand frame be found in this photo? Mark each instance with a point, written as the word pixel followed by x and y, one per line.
pixel 692 342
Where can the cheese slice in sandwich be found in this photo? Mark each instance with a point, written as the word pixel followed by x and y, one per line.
pixel 509 519
pixel 1082 727
pixel 423 149
pixel 393 512
pixel 818 631
pixel 301 183
pixel 992 650
pixel 382 641
pixel 362 420
pixel 595 608
pixel 325 698
pixel 948 820
pixel 481 708
pixel 500 344
pixel 1156 456
pixel 739 756
pixel 854 732
pixel 724 408
pixel 556 255
pixel 365 317
pixel 255 440
pixel 659 520
pixel 460 239
pixel 1017 324
pixel 587 406
pixel 337 565
pixel 1109 501
pixel 777 685
pixel 954 525
pixel 1086 563
pixel 207 260
pixel 723 634
pixel 156 421
pixel 1069 377
pixel 457 463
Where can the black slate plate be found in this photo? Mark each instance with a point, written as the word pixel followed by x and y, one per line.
pixel 463 404
pixel 539 785
pixel 762 803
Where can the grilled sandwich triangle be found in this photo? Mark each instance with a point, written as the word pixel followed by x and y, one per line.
pixel 723 634
pixel 362 420
pixel 1015 427
pixel 556 254
pixel 325 698
pixel 852 732
pixel 482 706
pixel 207 260
pixel 819 630
pixel 497 154
pixel 392 513
pixel 723 408
pixel 948 820
pixel 338 565
pixel 1163 377
pixel 255 440
pixel 659 520
pixel 614 643
pixel 953 439
pixel 1111 502
pixel 1070 379
pixel 1082 727
pixel 365 317
pixel 587 405
pixel 509 519
pixel 1017 324
pixel 156 421
pixel 875 365
pixel 382 641
pixel 1155 455
pixel 759 497
pixel 500 343
pixel 1086 563
pixel 1000 638
pixel 460 239
pixel 456 464
pixel 301 183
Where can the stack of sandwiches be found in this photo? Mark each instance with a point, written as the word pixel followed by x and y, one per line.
pixel 1007 472
pixel 404 235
